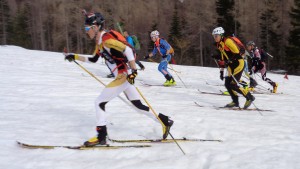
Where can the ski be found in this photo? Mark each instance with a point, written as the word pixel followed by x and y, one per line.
pixel 266 93
pixel 241 109
pixel 163 141
pixel 214 84
pixel 82 147
pixel 197 104
pixel 159 85
pixel 213 93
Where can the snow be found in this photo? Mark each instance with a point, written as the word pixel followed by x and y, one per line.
pixel 48 101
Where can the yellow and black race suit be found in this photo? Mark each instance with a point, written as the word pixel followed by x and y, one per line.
pixel 235 65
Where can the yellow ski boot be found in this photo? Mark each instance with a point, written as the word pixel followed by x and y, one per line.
pixel 97 140
pixel 275 85
pixel 170 82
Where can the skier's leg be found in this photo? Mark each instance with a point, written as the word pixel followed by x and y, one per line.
pixel 111 91
pixel 133 95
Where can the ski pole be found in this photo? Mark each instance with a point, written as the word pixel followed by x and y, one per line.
pixel 159 119
pixel 128 103
pixel 89 73
pixel 99 81
pixel 262 85
pixel 252 102
pixel 174 72
pixel 179 78
pixel 270 55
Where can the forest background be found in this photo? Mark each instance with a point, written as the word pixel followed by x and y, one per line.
pixel 51 25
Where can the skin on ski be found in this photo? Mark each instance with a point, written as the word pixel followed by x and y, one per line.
pixel 241 109
pixel 203 92
pixel 235 108
pixel 162 141
pixel 160 85
pixel 107 146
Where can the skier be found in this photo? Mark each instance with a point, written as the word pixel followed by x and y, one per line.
pixel 231 58
pixel 112 47
pixel 166 51
pixel 259 64
pixel 130 40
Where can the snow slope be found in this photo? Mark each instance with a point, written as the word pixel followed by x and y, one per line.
pixel 46 100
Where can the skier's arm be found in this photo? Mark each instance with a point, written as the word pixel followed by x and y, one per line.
pixel 232 46
pixel 96 55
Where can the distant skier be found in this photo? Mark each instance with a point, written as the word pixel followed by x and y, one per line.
pixel 130 40
pixel 258 57
pixel 231 58
pixel 113 45
pixel 162 47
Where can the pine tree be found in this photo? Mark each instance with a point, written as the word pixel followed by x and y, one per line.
pixel 175 29
pixel 4 22
pixel 178 38
pixel 293 48
pixel 20 35
pixel 269 36
pixel 226 19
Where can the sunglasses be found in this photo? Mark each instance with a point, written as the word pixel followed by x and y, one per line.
pixel 216 35
pixel 87 28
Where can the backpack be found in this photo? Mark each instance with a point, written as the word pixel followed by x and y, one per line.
pixel 137 45
pixel 240 45
pixel 157 45
pixel 118 36
pixel 263 55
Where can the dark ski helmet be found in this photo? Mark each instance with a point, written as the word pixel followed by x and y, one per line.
pixel 95 19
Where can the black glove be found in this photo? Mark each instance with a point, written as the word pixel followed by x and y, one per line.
pixel 147 57
pixel 222 75
pixel 70 57
pixel 131 77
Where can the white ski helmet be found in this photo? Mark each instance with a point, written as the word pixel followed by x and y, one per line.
pixel 154 33
pixel 218 31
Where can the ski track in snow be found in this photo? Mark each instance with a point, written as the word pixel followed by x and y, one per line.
pixel 48 101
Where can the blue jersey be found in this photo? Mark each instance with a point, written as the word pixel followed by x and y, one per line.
pixel 161 46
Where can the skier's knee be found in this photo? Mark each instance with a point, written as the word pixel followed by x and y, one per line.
pixel 102 105
pixel 160 69
pixel 227 82
pixel 139 105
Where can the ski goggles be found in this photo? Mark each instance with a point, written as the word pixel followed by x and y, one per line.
pixel 87 28
pixel 216 35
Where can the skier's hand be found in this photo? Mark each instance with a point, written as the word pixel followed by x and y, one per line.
pixel 131 77
pixel 70 57
pixel 221 64
pixel 222 75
